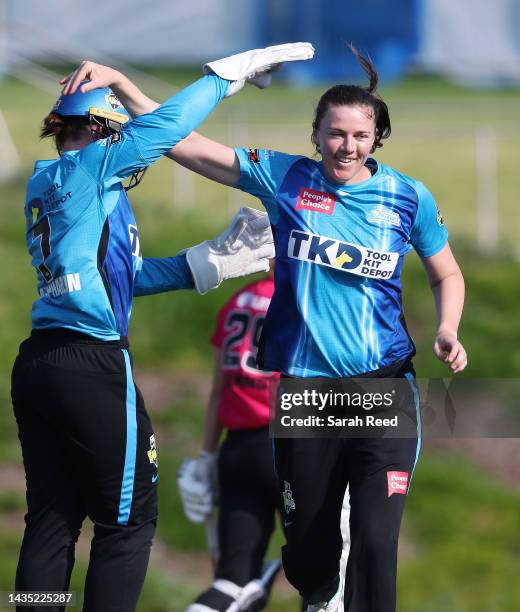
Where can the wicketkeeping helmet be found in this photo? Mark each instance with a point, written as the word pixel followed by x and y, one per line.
pixel 102 108
pixel 101 102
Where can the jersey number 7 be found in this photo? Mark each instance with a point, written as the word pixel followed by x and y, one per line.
pixel 43 229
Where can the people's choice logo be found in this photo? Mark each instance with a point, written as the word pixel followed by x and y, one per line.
pixel 397 483
pixel 343 256
pixel 317 201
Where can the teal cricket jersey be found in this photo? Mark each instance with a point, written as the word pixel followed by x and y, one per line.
pixel 81 230
pixel 336 309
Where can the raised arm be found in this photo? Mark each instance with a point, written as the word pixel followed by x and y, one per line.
pixel 255 67
pixel 211 159
pixel 202 155
pixel 143 140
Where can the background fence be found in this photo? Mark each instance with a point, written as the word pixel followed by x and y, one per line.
pixel 461 537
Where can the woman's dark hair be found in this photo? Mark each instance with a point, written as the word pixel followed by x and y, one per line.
pixel 62 128
pixel 355 95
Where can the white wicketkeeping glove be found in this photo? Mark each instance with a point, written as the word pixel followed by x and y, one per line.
pixel 255 66
pixel 245 247
pixel 197 486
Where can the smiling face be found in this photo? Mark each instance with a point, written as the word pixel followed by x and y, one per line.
pixel 345 137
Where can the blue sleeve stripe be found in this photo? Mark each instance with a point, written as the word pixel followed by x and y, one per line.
pixel 411 379
pixel 127 486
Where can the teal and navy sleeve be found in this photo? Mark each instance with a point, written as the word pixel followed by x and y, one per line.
pixel 144 139
pixel 262 172
pixel 163 274
pixel 429 234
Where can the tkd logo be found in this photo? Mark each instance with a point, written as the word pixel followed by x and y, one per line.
pixel 340 255
pixel 345 256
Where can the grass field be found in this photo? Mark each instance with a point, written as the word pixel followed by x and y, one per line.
pixel 461 550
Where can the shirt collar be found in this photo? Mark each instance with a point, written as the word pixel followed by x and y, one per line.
pixel 40 164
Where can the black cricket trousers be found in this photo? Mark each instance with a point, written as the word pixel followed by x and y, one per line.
pixel 248 502
pixel 313 475
pixel 88 450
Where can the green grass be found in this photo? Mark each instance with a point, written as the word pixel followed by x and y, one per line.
pixel 467 541
pixel 463 526
pixel 12 501
pixel 489 323
pixel 465 554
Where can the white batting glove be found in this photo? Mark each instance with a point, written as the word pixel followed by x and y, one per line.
pixel 197 486
pixel 255 66
pixel 206 470
pixel 245 247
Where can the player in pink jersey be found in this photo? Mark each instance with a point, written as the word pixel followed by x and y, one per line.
pixel 243 473
pixel 243 468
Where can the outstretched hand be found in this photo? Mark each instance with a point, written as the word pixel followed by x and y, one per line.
pixel 256 66
pixel 449 350
pixel 97 74
pixel 245 247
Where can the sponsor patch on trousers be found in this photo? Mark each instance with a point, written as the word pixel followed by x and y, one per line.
pixel 344 256
pixel 317 201
pixel 288 499
pixel 397 483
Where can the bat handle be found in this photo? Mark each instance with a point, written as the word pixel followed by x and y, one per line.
pixel 211 524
